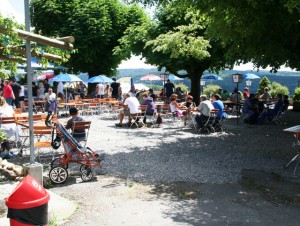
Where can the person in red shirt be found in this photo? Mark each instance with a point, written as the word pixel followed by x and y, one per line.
pixel 8 93
pixel 246 93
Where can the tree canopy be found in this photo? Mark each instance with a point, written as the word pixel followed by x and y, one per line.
pixel 96 25
pixel 262 32
pixel 176 40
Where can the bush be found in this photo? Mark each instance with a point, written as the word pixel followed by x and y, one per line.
pixel 278 88
pixel 296 96
pixel 264 82
pixel 183 87
pixel 211 90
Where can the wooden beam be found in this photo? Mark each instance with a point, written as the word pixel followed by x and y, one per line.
pixel 40 39
pixel 68 39
pixel 5 57
pixel 34 54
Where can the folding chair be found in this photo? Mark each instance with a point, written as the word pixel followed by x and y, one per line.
pixel 80 131
pixel 18 110
pixel 42 140
pixel 137 119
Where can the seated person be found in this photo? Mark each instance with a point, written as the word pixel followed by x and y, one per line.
pixel 151 109
pixel 151 94
pixel 77 134
pixel 246 93
pixel 175 107
pixel 266 95
pixel 131 108
pixel 286 103
pixel 10 129
pixel 236 96
pixel 270 113
pixel 189 104
pixel 225 95
pixel 250 109
pixel 205 107
pixel 221 114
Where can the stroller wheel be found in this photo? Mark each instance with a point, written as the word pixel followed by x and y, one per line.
pixel 58 175
pixel 84 167
pixel 87 175
pixel 57 162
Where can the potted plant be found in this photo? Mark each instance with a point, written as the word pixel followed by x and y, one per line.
pixel 296 99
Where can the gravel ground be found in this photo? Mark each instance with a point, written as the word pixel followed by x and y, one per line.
pixel 175 176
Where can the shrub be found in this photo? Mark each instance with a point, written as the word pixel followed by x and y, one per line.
pixel 183 87
pixel 296 96
pixel 264 82
pixel 211 90
pixel 278 88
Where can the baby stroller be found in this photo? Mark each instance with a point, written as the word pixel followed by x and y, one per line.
pixel 74 153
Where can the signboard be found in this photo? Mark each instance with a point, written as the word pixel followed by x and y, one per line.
pixel 237 78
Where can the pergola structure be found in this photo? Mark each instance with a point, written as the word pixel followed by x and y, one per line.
pixel 23 54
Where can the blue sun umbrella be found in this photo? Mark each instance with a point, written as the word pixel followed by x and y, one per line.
pixel 211 77
pixel 173 77
pixel 99 78
pixel 66 78
pixel 250 76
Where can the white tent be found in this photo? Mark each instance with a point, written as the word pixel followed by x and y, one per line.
pixel 139 86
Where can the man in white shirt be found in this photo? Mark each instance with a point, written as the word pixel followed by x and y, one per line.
pixel 131 107
pixel 205 107
pixel 50 98
pixel 60 88
pixel 100 88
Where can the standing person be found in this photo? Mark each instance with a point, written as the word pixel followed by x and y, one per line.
pixel 16 89
pixel 82 89
pixel 169 88
pixel 34 90
pixel 100 89
pixel 115 87
pixel 22 98
pixel 60 88
pixel 8 93
pixel 46 85
pixel 51 104
pixel 41 91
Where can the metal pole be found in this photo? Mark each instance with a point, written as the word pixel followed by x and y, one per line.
pixel 237 102
pixel 29 82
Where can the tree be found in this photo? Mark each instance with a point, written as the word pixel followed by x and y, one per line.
pixel 95 24
pixel 264 82
pixel 262 32
pixel 176 40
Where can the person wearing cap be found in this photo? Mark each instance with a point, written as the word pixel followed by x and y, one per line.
pixel 131 107
pixel 266 95
pixel 246 93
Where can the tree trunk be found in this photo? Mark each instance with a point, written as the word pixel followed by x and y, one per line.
pixel 195 86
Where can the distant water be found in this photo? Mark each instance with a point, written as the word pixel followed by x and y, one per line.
pixel 286 78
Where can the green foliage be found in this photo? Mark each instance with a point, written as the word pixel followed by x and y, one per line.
pixel 183 87
pixel 96 25
pixel 264 82
pixel 3 136
pixel 211 90
pixel 278 88
pixel 296 96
